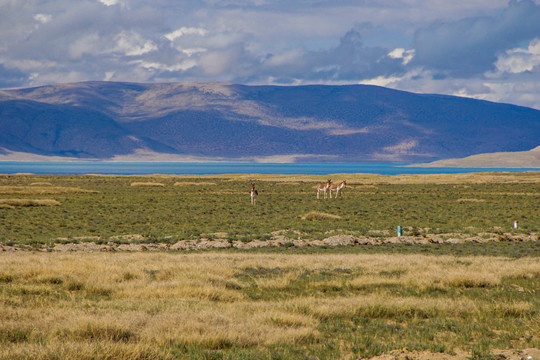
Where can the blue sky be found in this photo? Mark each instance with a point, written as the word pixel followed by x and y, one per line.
pixel 485 49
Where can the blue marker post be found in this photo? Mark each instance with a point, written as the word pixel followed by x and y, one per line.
pixel 399 231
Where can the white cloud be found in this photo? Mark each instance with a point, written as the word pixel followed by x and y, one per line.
pixel 37 79
pixel 132 44
pixel 463 47
pixel 469 47
pixel 87 44
pixel 31 65
pixel 225 40
pixel 181 66
pixel 108 76
pixel 381 81
pixel 43 18
pixel 128 43
pixel 520 60
pixel 396 81
pixel 285 58
pixel 192 51
pixel 400 53
pixel 217 62
pixel 185 31
pixel 109 2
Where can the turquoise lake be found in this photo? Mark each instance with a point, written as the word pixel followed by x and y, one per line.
pixel 213 168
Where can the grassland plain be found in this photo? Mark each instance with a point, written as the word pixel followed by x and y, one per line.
pixel 448 301
pixel 39 210
pixel 225 305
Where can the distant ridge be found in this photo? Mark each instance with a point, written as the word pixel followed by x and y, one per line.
pixel 220 121
pixel 518 159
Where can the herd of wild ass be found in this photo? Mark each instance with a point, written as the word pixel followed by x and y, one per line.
pixel 325 188
pixel 328 187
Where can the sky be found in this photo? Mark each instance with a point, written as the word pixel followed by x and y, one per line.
pixel 484 49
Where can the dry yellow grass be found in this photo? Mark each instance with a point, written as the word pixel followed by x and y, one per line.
pixel 150 184
pixel 374 179
pixel 358 179
pixel 192 183
pixel 42 189
pixel 317 215
pixel 138 305
pixel 470 200
pixel 28 202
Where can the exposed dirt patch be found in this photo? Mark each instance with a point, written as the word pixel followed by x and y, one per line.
pixel 525 354
pixel 137 242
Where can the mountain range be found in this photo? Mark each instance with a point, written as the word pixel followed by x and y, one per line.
pixel 221 121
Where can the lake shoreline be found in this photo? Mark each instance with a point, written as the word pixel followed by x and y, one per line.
pixel 220 168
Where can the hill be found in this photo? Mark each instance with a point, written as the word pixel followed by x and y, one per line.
pixel 108 120
pixel 517 159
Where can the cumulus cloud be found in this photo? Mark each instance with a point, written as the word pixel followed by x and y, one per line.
pixel 469 47
pixel 519 60
pixel 109 2
pixel 405 55
pixel 43 18
pixel 185 31
pixel 180 66
pixel 486 49
pixel 350 60
pixel 132 44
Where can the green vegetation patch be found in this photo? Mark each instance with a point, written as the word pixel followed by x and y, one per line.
pixel 190 208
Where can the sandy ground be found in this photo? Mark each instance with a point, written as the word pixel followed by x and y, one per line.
pixel 525 354
pixel 518 159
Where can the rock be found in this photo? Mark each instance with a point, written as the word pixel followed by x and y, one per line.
pixel 185 245
pixel 342 240
pixel 254 244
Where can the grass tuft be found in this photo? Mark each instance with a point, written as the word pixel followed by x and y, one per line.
pixel 317 215
pixel 14 334
pixel 191 183
pixel 99 332
pixel 149 184
pixel 44 189
pixel 28 202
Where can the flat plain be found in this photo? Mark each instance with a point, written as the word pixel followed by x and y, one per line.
pixel 476 299
pixel 42 210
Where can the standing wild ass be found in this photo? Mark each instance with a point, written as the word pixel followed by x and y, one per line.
pixel 323 187
pixel 337 188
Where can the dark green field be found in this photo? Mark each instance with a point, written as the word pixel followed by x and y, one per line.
pixel 212 207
